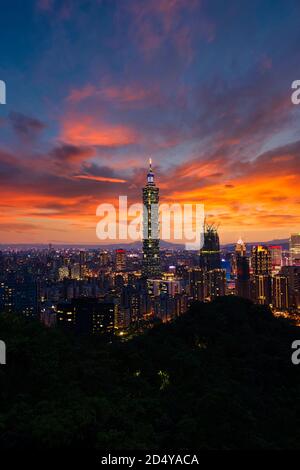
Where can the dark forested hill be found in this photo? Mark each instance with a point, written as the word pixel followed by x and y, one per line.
pixel 219 377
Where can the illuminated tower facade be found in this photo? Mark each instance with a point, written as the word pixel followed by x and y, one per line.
pixel 240 248
pixel 295 249
pixel 261 260
pixel 210 254
pixel 280 292
pixel 120 260
pixel 261 275
pixel 151 259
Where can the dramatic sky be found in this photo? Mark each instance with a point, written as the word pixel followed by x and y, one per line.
pixel 95 87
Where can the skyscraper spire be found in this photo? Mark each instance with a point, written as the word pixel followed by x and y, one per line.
pixel 150 175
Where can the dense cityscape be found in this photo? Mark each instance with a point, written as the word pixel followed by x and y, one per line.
pixel 121 292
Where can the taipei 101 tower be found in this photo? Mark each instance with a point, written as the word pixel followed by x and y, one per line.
pixel 151 260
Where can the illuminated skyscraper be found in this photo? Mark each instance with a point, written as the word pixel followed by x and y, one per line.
pixel 276 256
pixel 197 284
pixel 293 276
pixel 240 252
pixel 295 249
pixel 210 255
pixel 261 289
pixel 82 263
pixel 261 260
pixel 280 292
pixel 240 248
pixel 151 259
pixel 216 283
pixel 261 275
pixel 104 259
pixel 120 260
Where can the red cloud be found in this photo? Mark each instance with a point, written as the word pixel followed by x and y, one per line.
pixel 100 178
pixel 83 130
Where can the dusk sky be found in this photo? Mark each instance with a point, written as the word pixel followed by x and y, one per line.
pixel 94 88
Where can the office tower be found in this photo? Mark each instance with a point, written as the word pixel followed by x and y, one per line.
pixel 240 251
pixel 216 283
pixel 260 260
pixel 104 259
pixel 295 249
pixel 210 255
pixel 151 259
pixel 285 258
pixel 240 248
pixel 82 264
pixel 197 284
pixel 120 260
pixel 276 256
pixel 86 316
pixel 261 289
pixel 243 277
pixel 293 275
pixel 167 286
pixel 280 293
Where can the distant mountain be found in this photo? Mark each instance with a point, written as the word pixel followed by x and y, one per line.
pixel 134 246
pixel 112 246
pixel 282 242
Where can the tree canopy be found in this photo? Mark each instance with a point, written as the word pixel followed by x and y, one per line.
pixel 219 377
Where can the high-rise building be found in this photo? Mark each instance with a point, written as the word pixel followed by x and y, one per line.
pixel 293 275
pixel 104 259
pixel 120 259
pixel 276 256
pixel 197 283
pixel 151 259
pixel 210 254
pixel 216 283
pixel 280 293
pixel 82 263
pixel 261 289
pixel 240 248
pixel 295 249
pixel 240 251
pixel 167 286
pixel 260 260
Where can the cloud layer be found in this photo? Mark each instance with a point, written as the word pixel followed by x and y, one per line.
pixel 201 87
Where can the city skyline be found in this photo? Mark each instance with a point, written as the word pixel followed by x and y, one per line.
pixel 93 89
